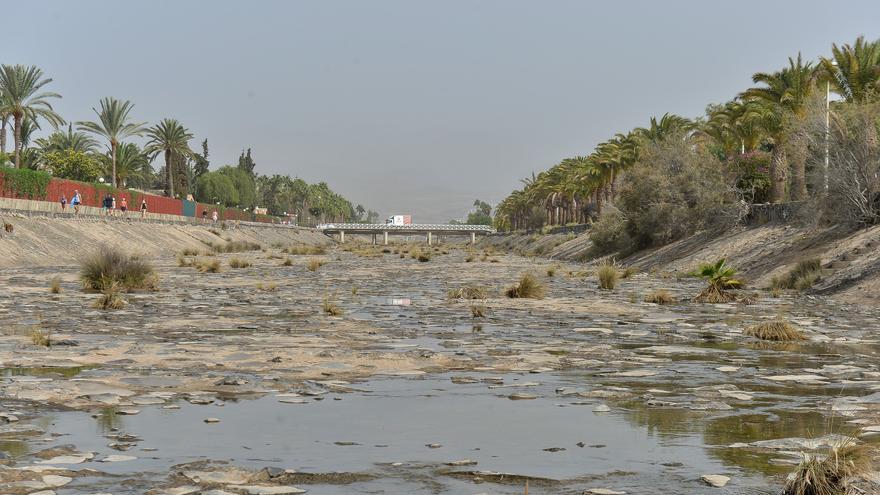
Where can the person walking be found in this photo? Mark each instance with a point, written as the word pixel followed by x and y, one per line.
pixel 113 206
pixel 63 203
pixel 214 216
pixel 105 205
pixel 75 201
pixel 144 207
pixel 204 216
pixel 123 206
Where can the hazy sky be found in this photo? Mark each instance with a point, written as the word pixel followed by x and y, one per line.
pixel 414 106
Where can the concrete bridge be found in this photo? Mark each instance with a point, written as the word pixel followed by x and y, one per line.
pixel 428 230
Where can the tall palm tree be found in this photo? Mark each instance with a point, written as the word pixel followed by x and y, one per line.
pixel 168 137
pixel 114 124
pixel 23 99
pixel 70 140
pixel 668 125
pixel 785 92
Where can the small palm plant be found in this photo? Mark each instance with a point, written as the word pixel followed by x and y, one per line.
pixel 720 278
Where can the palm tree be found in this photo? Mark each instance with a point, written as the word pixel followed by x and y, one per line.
pixel 114 125
pixel 168 137
pixel 668 125
pixel 785 92
pixel 22 99
pixel 70 140
pixel 132 165
pixel 856 75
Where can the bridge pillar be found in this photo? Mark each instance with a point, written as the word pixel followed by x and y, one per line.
pixel 429 238
pixel 374 239
pixel 386 237
pixel 473 237
pixel 341 237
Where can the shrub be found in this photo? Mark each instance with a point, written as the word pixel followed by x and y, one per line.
pixel 609 234
pixel 287 262
pixel 55 285
pixel 661 297
pixel 25 183
pixel 109 267
pixel 270 287
pixel 39 338
pixel 315 263
pixel 478 311
pixel 804 274
pixel 424 257
pixel 469 258
pixel 235 247
pixel 299 250
pixel 608 275
pixel 528 287
pixel 551 271
pixel 190 252
pixel 238 263
pixel 832 473
pixel 777 330
pixel 470 292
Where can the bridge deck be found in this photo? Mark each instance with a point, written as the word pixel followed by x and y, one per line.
pixel 364 228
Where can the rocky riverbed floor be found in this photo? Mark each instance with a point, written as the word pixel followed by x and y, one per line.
pixel 239 382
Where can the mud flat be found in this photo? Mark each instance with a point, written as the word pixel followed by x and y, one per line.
pixel 240 382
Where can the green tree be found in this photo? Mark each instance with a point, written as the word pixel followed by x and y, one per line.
pixel 360 212
pixel 168 137
pixel 113 124
pixel 22 98
pixel 246 162
pixel 72 164
pixel 243 184
pixel 201 162
pixel 214 187
pixel 132 166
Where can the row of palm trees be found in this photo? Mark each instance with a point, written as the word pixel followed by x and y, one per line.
pixel 770 116
pixel 25 105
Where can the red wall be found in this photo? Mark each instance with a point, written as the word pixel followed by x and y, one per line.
pixel 92 195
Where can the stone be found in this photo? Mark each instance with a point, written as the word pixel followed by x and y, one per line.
pixel 601 408
pixel 521 396
pixel 118 458
pixel 128 411
pixel 270 490
pixel 212 420
pixel 604 491
pixel 55 480
pixel 716 480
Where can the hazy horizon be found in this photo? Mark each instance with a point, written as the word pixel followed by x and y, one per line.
pixel 414 107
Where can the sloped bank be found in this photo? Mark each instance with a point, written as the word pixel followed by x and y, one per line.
pixel 50 241
pixel 850 258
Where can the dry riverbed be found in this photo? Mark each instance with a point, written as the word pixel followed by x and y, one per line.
pixel 238 382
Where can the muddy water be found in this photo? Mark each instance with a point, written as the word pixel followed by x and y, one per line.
pixel 407 393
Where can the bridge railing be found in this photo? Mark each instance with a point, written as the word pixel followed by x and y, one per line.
pixel 413 227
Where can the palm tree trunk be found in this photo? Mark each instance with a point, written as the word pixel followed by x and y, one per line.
pixel 113 145
pixel 799 167
pixel 598 202
pixel 17 136
pixel 778 162
pixel 169 178
pixel 5 121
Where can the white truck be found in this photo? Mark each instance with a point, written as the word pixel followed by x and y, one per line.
pixel 399 220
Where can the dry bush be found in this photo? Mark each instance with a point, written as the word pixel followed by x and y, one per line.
pixel 235 247
pixel 424 257
pixel 469 292
pixel 608 274
pixel 190 252
pixel 527 287
pixel 551 272
pixel 804 274
pixel 315 263
pixel 205 266
pixel 303 249
pixel 55 285
pixel 661 297
pixel 833 473
pixel 39 338
pixel 287 262
pixel 478 311
pixel 239 263
pixel 109 267
pixel 777 330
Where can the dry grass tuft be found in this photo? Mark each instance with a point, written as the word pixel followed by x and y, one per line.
pixel 713 295
pixel 833 473
pixel 55 285
pixel 470 292
pixel 234 246
pixel 270 287
pixel 551 272
pixel 287 262
pixel 329 307
pixel 424 257
pixel 804 274
pixel 608 275
pixel 205 266
pixel 39 338
pixel 110 298
pixel 661 296
pixel 528 287
pixel 315 263
pixel 189 252
pixel 239 263
pixel 478 311
pixel 298 250
pixel 777 330
pixel 109 267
